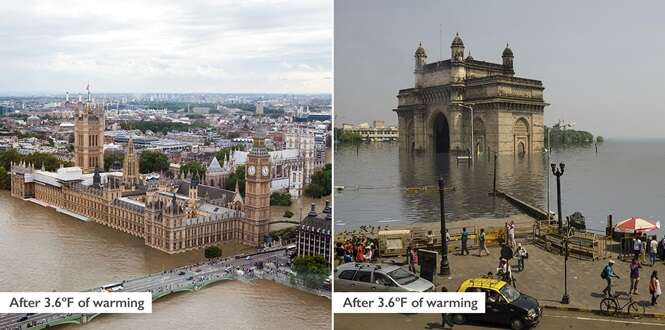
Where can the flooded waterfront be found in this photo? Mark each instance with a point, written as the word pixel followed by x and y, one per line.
pixel 624 178
pixel 43 250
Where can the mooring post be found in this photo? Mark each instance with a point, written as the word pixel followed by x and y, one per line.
pixel 495 158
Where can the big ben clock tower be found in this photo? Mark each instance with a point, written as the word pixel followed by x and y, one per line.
pixel 258 178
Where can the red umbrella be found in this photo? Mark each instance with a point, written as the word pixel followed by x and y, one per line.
pixel 634 224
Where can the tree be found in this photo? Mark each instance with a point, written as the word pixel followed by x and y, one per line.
pixel 313 270
pixel 110 157
pixel 213 252
pixel 221 155
pixel 280 199
pixel 320 183
pixel 288 214
pixel 239 177
pixel 599 139
pixel 192 167
pixel 153 161
pixel 344 137
pixel 7 157
pixel 5 179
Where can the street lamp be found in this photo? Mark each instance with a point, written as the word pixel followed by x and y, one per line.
pixel 444 268
pixel 558 172
pixel 566 299
pixel 473 155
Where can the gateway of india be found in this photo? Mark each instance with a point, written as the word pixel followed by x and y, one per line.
pixel 435 115
pixel 170 215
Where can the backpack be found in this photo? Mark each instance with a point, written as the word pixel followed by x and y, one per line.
pixel 604 273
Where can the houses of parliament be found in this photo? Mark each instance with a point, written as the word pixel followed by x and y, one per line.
pixel 168 214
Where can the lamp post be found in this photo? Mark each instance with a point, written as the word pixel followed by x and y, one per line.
pixel 566 299
pixel 473 155
pixel 558 172
pixel 444 269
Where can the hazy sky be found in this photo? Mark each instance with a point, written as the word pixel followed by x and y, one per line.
pixel 602 62
pixel 166 46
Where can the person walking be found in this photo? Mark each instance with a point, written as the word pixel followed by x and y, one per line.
pixel 653 251
pixel 520 254
pixel 635 267
pixel 447 236
pixel 511 234
pixel 637 246
pixel 654 287
pixel 482 243
pixel 465 239
pixel 413 259
pixel 430 240
pixel 607 274
pixel 444 319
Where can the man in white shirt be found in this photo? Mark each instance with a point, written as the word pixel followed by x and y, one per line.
pixel 653 250
pixel 637 246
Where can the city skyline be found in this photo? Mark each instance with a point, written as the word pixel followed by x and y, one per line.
pixel 167 47
pixel 586 68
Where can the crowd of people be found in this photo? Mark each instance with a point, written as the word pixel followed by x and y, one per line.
pixel 358 249
pixel 644 250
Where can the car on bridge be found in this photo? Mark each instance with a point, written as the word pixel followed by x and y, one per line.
pixel 182 272
pixel 366 277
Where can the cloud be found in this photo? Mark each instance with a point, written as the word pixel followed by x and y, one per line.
pixel 167 45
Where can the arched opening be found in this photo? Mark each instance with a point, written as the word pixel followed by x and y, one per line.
pixel 441 134
pixel 521 134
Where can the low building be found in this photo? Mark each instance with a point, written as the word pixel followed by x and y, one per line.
pixel 315 234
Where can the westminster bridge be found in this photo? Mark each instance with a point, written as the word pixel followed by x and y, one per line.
pixel 186 278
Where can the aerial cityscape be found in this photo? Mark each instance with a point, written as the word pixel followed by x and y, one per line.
pixel 203 180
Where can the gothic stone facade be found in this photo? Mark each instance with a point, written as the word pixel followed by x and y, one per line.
pixel 508 111
pixel 170 216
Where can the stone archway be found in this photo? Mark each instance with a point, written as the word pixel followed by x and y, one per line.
pixel 441 134
pixel 521 137
pixel 479 140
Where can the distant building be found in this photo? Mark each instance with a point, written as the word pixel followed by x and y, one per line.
pixel 377 133
pixel 434 114
pixel 201 110
pixel 379 124
pixel 259 108
pixel 315 234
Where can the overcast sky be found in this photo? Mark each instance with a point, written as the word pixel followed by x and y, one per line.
pixel 602 62
pixel 279 46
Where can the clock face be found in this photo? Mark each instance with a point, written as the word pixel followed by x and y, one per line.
pixel 265 170
pixel 251 170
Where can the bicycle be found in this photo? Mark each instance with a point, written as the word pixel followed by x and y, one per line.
pixel 610 306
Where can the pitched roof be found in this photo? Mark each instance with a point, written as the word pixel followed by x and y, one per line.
pixel 214 166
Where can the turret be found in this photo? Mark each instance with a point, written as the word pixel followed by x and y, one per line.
pixel 507 57
pixel 194 191
pixel 97 179
pixel 457 70
pixel 457 49
pixel 421 57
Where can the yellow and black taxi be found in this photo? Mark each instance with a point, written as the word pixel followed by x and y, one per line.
pixel 503 305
